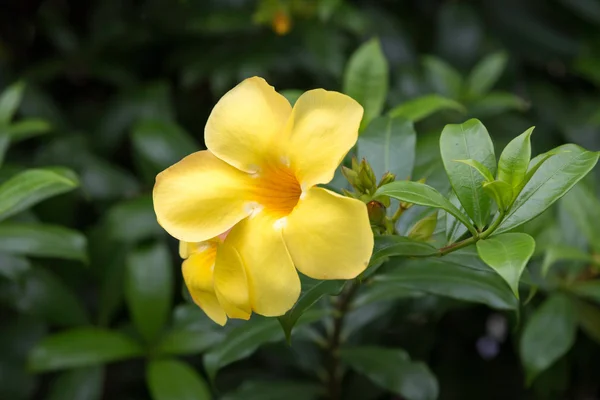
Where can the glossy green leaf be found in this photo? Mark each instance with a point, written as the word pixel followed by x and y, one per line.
pixel 393 370
pixel 389 144
pixel 514 160
pixel 39 240
pixel 149 288
pixel 508 255
pixel 496 103
pixel 161 143
pixel 454 228
pixel 555 177
pixel 81 384
pixel 392 245
pixel 12 267
pixel 501 192
pixel 241 342
pixel 41 293
pixel 588 316
pixel 33 186
pixel 275 389
pixel 171 379
pixel 422 107
pixel 373 292
pixel 291 95
pixel 556 253
pixel 588 289
pixel 462 142
pixel 9 101
pixel 548 335
pixel 450 277
pixel 27 128
pixel 422 194
pixel 480 168
pixel 366 79
pixel 584 208
pixel 306 300
pixel 486 73
pixel 133 220
pixel 81 347
pixel 443 78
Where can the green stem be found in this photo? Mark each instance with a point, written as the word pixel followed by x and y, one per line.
pixel 473 239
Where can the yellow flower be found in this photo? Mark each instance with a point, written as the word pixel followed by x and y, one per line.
pixel 258 179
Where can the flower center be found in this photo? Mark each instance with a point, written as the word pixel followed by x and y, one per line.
pixel 277 190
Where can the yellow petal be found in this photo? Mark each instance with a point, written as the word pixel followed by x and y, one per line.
pixel 329 236
pixel 231 283
pixel 245 123
pixel 273 280
pixel 198 276
pixel 322 129
pixel 201 197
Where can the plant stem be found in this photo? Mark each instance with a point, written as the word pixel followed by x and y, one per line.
pixel 334 376
pixel 473 239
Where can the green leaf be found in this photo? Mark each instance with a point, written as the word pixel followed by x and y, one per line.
pixel 12 267
pixel 548 335
pixel 372 292
pixel 9 101
pixel 450 277
pixel 557 253
pixel 291 95
pixel 366 79
pixel 589 319
pixel 501 192
pixel 389 145
pixel 392 245
pixel 262 390
pixel 442 77
pixel 175 380
pixel 192 332
pixel 454 228
pixel 587 289
pixel 4 142
pixel 132 221
pixel 422 107
pixel 43 294
pixel 81 384
pixel 462 142
pixel 306 300
pixel 514 160
pixel 480 168
pixel 39 240
pixel 392 369
pixel 486 73
pixel 161 143
pixel 149 288
pixel 241 342
pixel 424 195
pixel 508 255
pixel 27 128
pixel 81 347
pixel 33 186
pixel 496 103
pixel 555 177
pixel 584 208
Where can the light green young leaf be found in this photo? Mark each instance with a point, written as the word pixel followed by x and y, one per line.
pixel 40 240
pixel 514 160
pixel 555 177
pixel 422 107
pixel 389 144
pixel 33 186
pixel 508 255
pixel 557 253
pixel 392 369
pixel 170 379
pixel 442 77
pixel 149 289
pixel 480 168
pixel 548 335
pixel 9 101
pixel 501 192
pixel 486 73
pixel 366 79
pixel 422 194
pixel 462 142
pixel 82 347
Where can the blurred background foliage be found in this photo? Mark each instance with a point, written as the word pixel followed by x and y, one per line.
pixel 99 96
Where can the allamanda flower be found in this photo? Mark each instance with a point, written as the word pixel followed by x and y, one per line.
pixel 248 209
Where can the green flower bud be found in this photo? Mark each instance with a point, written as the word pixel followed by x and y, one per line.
pixel 376 212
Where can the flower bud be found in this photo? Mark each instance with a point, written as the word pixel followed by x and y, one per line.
pixel 388 177
pixel 376 212
pixel 424 228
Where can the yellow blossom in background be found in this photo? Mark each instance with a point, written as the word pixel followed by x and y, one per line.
pixel 257 182
pixel 281 23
